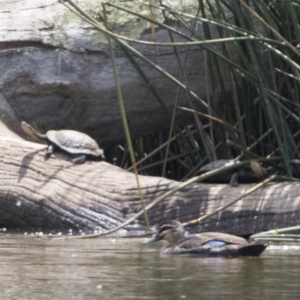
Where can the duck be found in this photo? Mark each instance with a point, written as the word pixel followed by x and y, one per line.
pixel 205 243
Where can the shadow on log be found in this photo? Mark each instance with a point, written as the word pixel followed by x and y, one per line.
pixel 55 194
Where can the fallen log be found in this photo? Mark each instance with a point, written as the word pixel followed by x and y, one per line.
pixel 55 194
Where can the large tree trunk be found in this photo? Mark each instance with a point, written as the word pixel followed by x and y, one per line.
pixel 55 194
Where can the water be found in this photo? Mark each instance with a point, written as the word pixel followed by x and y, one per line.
pixel 41 269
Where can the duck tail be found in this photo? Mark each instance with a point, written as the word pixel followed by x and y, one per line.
pixel 253 249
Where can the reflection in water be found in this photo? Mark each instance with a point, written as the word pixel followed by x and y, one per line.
pixel 126 269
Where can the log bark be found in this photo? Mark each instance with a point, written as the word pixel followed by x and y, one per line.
pixel 55 194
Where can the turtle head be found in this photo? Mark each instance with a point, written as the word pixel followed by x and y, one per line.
pixel 29 130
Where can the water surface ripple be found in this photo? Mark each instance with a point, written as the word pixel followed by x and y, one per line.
pixel 41 269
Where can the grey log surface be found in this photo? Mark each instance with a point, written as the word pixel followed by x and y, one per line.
pixel 58 195
pixel 56 70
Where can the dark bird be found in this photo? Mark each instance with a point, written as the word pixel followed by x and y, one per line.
pixel 204 244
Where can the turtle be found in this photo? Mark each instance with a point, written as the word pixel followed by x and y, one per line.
pixel 243 173
pixel 77 144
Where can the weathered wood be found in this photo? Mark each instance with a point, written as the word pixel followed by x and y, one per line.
pixel 58 195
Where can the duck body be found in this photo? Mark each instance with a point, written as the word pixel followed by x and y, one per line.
pixel 204 244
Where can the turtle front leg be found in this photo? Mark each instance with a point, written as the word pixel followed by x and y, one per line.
pixel 50 150
pixel 79 159
pixel 234 179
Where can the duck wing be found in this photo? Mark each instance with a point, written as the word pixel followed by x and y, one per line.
pixel 219 239
pixel 210 240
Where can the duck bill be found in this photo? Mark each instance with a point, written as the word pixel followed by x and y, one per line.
pixel 152 239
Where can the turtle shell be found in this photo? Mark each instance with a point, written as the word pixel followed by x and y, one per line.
pixel 245 174
pixel 74 142
pixel 218 164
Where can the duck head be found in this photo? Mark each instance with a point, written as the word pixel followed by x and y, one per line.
pixel 172 232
